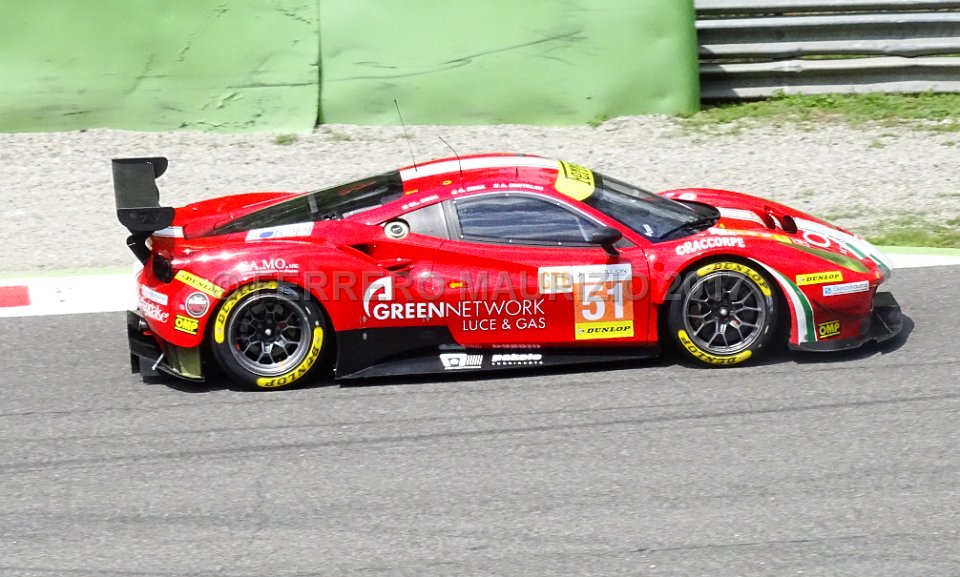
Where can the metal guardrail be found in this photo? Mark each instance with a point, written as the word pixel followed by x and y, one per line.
pixel 756 48
pixel 723 7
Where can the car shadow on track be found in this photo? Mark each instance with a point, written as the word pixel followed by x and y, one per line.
pixel 669 358
pixel 222 383
pixel 514 373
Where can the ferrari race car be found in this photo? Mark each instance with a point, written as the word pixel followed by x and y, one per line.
pixel 483 262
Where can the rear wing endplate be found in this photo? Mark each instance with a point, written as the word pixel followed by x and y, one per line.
pixel 138 200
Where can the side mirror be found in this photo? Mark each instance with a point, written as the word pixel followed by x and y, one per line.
pixel 606 237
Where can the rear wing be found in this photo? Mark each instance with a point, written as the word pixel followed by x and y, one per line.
pixel 138 200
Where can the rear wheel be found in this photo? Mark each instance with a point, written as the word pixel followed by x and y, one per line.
pixel 724 314
pixel 269 336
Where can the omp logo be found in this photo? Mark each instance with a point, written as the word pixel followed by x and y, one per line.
pixel 828 329
pixel 460 361
pixel 186 325
pixel 380 289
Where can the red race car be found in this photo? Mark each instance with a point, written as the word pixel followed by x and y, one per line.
pixel 484 262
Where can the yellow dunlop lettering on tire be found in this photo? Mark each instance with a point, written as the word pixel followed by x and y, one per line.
pixel 220 326
pixel 315 347
pixel 740 268
pixel 707 357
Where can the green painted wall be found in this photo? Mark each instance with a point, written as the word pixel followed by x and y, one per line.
pixel 158 64
pixel 506 61
pixel 235 65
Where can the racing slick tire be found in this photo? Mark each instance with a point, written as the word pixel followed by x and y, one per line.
pixel 724 314
pixel 268 335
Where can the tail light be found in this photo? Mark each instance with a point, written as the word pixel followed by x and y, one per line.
pixel 162 269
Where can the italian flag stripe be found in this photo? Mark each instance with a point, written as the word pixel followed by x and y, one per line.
pixel 801 306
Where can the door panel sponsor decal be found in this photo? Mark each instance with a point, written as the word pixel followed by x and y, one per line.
pixel 474 315
pixel 602 297
pixel 380 290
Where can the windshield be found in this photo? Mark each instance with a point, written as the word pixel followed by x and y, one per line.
pixel 651 215
pixel 330 203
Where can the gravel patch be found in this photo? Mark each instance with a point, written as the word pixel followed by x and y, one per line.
pixel 58 208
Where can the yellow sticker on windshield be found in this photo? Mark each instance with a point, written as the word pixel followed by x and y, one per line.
pixel 575 181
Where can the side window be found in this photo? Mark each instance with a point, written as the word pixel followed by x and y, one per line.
pixel 521 219
pixel 429 221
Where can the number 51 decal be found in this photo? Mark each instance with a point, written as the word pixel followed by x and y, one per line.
pixel 603 308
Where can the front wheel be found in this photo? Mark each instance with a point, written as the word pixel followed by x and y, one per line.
pixel 268 336
pixel 724 314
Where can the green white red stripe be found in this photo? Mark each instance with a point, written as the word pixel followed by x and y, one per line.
pixel 802 311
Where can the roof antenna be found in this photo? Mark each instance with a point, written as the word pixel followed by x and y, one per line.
pixel 459 165
pixel 405 135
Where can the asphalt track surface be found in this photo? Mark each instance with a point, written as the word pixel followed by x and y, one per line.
pixel 829 465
